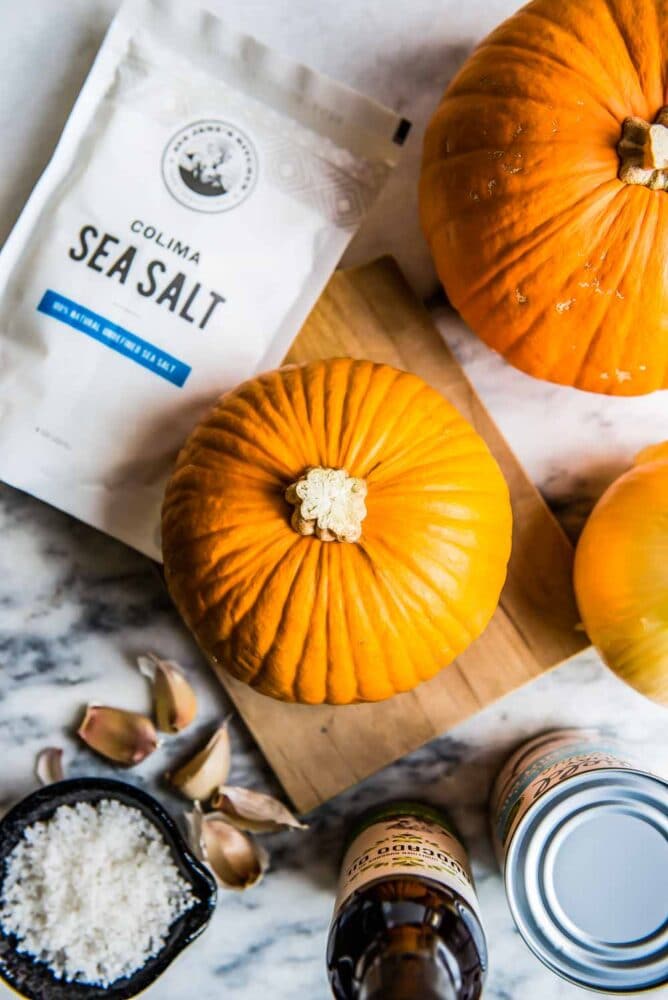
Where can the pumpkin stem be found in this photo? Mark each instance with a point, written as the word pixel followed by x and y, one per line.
pixel 328 504
pixel 643 152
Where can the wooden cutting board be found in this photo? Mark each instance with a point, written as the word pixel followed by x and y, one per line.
pixel 316 752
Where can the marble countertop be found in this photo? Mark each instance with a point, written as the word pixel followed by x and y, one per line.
pixel 77 607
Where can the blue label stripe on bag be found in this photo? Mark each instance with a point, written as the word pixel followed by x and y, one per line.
pixel 116 337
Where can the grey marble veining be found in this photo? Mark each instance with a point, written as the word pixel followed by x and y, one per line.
pixel 573 444
pixel 76 607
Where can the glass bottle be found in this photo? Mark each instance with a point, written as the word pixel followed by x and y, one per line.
pixel 406 924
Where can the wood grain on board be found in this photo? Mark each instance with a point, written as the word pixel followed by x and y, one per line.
pixel 317 752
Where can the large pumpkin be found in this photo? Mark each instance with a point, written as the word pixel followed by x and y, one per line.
pixel 543 192
pixel 335 532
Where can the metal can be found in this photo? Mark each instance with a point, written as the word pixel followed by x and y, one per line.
pixel 581 835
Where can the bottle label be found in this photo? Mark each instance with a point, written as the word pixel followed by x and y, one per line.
pixel 540 764
pixel 415 844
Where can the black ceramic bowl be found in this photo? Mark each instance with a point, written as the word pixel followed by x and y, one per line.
pixel 34 980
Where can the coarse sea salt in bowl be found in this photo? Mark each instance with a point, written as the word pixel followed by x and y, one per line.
pixel 35 979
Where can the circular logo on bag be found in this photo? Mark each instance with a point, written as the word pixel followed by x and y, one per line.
pixel 210 166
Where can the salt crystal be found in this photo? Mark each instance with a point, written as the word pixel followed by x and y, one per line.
pixel 92 892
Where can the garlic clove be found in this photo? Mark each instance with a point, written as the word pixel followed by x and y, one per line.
pixel 236 861
pixel 175 701
pixel 49 765
pixel 199 777
pixel 254 812
pixel 124 737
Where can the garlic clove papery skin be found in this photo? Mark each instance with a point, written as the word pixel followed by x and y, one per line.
pixel 124 737
pixel 49 765
pixel 200 776
pixel 234 858
pixel 174 699
pixel 254 812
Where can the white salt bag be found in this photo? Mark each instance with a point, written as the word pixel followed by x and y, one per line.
pixel 199 198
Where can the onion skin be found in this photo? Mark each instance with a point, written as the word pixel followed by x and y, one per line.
pixel 621 575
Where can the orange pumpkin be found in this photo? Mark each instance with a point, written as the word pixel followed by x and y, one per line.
pixel 335 532
pixel 621 574
pixel 543 193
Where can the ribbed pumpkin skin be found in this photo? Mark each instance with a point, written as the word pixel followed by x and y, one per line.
pixel 548 256
pixel 621 574
pixel 305 620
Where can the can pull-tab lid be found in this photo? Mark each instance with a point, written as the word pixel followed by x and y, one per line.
pixel 587 880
